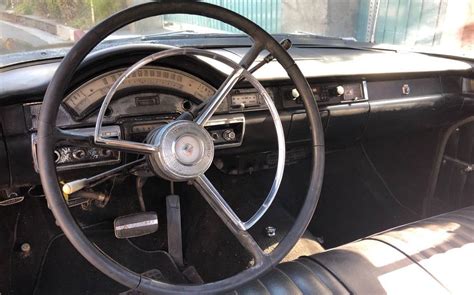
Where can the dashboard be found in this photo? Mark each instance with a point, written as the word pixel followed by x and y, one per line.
pixel 354 104
pixel 152 97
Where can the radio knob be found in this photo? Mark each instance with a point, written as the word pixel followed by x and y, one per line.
pixel 336 91
pixel 339 90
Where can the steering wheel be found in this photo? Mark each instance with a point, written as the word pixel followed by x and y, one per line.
pixel 181 150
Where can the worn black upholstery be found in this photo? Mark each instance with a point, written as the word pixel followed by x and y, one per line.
pixel 431 256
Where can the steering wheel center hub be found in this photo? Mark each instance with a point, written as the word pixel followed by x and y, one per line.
pixel 188 149
pixel 185 150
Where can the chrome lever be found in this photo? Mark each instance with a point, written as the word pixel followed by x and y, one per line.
pixel 79 184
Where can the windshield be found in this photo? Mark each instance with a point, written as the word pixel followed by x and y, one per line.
pixel 441 26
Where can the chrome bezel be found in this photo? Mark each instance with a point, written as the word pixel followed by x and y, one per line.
pixel 115 129
pixel 225 120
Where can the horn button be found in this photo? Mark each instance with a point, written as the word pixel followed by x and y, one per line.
pixel 185 150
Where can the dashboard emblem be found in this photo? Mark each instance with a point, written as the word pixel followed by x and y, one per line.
pixel 405 89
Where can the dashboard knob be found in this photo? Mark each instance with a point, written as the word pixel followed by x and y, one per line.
pixel 335 91
pixel 78 154
pixel 295 94
pixel 105 153
pixel 229 135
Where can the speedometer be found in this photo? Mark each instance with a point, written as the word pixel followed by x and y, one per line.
pixel 93 91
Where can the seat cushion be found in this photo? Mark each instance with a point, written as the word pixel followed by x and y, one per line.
pixel 302 276
pixel 442 245
pixel 431 256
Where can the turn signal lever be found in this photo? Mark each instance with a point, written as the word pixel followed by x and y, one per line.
pixel 77 185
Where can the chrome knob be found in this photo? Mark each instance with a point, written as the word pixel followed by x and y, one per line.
pixel 56 157
pixel 229 135
pixel 78 154
pixel 105 153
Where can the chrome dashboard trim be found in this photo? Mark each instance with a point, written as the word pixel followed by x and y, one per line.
pixel 84 131
pixel 224 120
pixel 365 92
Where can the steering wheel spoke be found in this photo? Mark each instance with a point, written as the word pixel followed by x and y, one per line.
pixel 235 76
pixel 214 102
pixel 251 55
pixel 228 216
pixel 127 146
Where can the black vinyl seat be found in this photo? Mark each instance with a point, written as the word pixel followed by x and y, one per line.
pixel 431 256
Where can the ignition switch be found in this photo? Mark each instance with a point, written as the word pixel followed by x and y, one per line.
pixel 228 135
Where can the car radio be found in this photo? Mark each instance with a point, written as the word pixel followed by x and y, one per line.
pixel 327 94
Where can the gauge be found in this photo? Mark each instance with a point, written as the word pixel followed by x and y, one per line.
pixel 93 91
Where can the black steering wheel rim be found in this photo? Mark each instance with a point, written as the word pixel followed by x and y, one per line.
pixel 47 130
